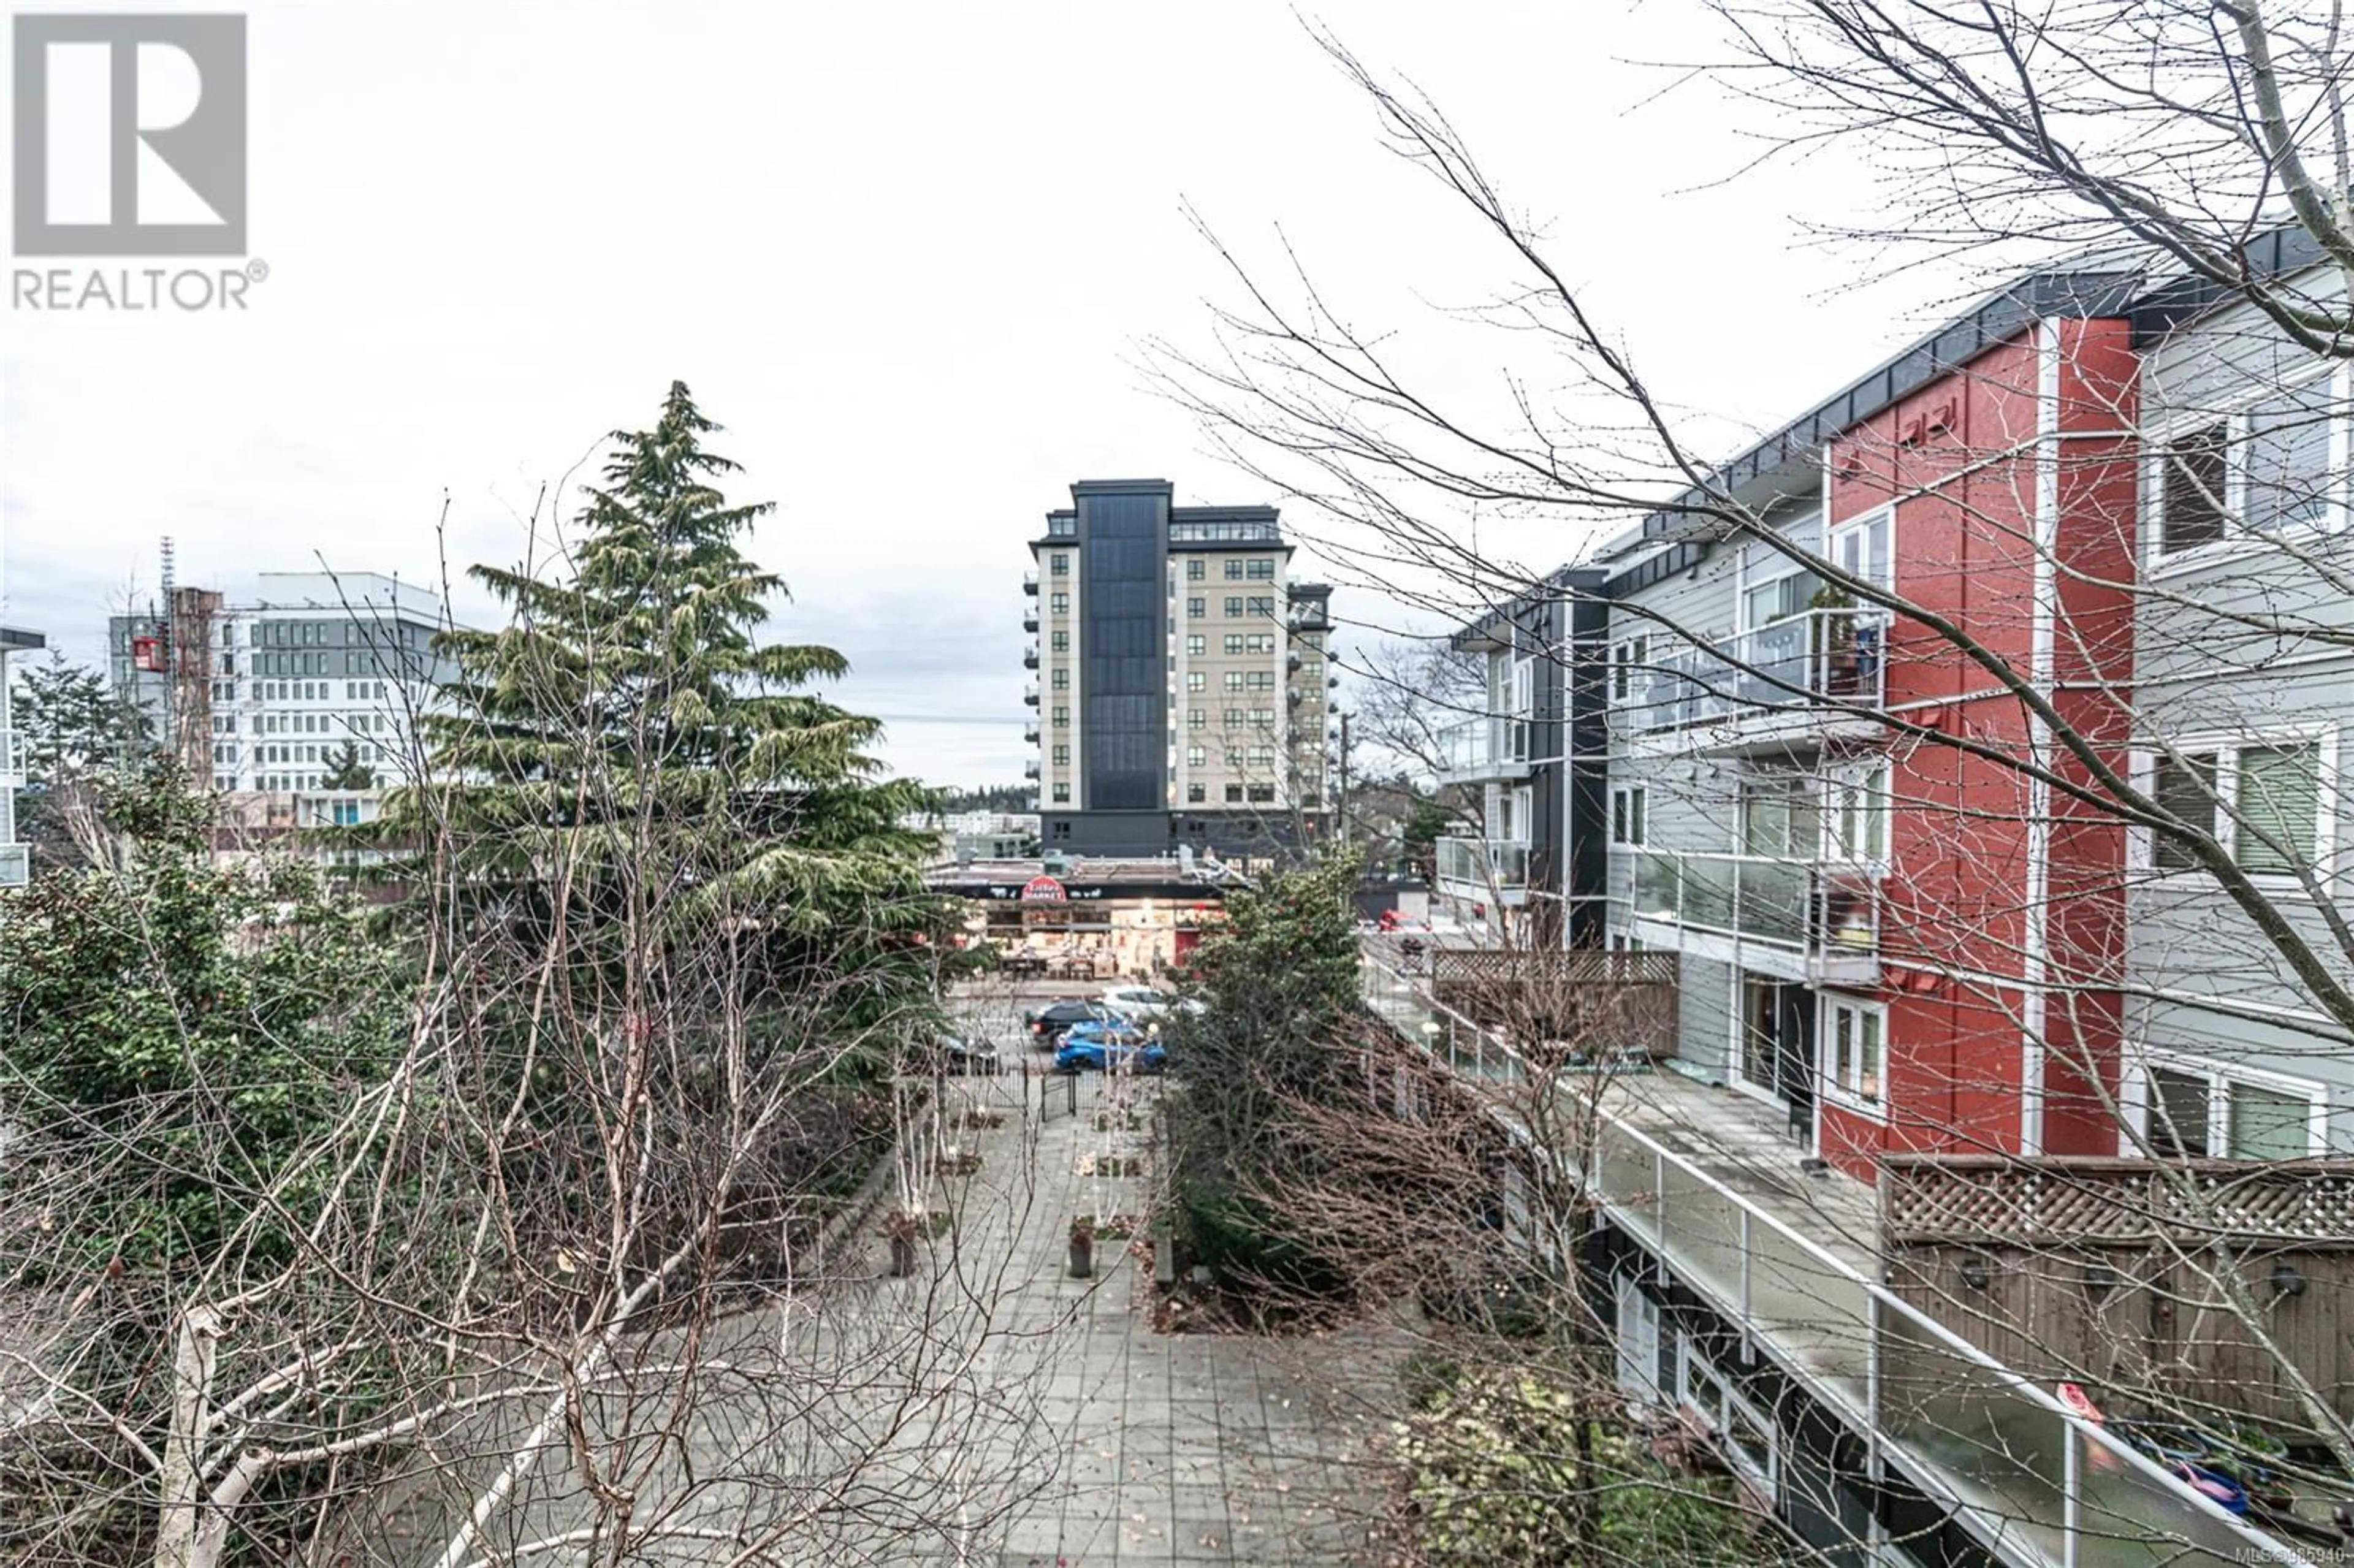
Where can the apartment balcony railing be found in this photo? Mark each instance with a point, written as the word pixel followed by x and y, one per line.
pixel 1030 618
pixel 15 865
pixel 2036 1481
pixel 1030 695
pixel 1479 868
pixel 11 758
pixel 1030 657
pixel 1479 749
pixel 1030 583
pixel 1030 768
pixel 1827 913
pixel 1824 658
pixel 1030 732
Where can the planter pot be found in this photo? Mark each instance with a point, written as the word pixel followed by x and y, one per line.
pixel 1083 1258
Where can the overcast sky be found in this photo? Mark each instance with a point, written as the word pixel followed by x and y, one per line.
pixel 905 254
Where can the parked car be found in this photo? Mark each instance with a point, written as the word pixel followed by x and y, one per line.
pixel 963 1054
pixel 1045 1025
pixel 1099 1047
pixel 1143 1001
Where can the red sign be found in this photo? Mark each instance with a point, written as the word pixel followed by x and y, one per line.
pixel 1044 890
pixel 147 652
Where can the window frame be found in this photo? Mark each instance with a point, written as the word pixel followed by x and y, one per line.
pixel 1630 816
pixel 2218 1078
pixel 2237 415
pixel 1845 1090
pixel 2141 848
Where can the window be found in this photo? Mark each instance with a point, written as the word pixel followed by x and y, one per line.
pixel 1860 548
pixel 2284 469
pixel 1744 1434
pixel 1061 794
pixel 1062 525
pixel 1196 609
pixel 1261 679
pixel 1062 718
pixel 1196 719
pixel 2274 790
pixel 1262 718
pixel 1259 792
pixel 1234 570
pixel 1196 794
pixel 2193 478
pixel 1261 571
pixel 1058 565
pixel 1234 718
pixel 1234 679
pixel 1855 1051
pixel 1234 794
pixel 1195 679
pixel 1196 569
pixel 2196 1112
pixel 1196 757
pixel 1259 643
pixel 1061 642
pixel 1197 646
pixel 1233 643
pixel 1859 816
pixel 1062 757
pixel 1262 758
pixel 1627 803
pixel 2279 797
pixel 1628 657
pixel 1062 680
pixel 2185 786
pixel 1262 606
pixel 1234 608
pixel 1058 604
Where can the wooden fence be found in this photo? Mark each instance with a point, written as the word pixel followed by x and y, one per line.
pixel 2150 1284
pixel 1589 999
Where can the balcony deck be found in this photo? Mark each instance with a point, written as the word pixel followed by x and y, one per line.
pixel 1704 1179
pixel 1814 677
pixel 1482 750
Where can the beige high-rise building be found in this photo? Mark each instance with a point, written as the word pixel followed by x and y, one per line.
pixel 1181 678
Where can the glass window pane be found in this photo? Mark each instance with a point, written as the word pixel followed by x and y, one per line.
pixel 2280 801
pixel 2178 1114
pixel 2288 458
pixel 2193 490
pixel 2267 1125
pixel 2186 789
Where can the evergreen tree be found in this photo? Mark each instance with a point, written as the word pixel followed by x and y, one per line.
pixel 346 771
pixel 72 729
pixel 624 756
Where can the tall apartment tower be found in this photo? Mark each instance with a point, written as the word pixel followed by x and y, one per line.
pixel 1183 688
pixel 260 696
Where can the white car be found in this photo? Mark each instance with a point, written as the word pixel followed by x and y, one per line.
pixel 1143 1001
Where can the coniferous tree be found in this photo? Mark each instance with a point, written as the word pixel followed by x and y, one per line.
pixel 71 730
pixel 625 759
pixel 346 771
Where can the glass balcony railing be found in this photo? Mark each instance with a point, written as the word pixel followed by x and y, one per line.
pixel 1488 747
pixel 1836 658
pixel 1485 864
pixel 2023 1469
pixel 15 865
pixel 1826 910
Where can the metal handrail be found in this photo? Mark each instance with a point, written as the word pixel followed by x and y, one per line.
pixel 2258 1546
pixel 1835 657
pixel 1807 902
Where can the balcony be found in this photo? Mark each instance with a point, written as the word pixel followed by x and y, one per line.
pixel 1030 732
pixel 1030 768
pixel 1699 1179
pixel 1030 583
pixel 1030 696
pixel 1030 657
pixel 1030 618
pixel 1477 751
pixel 1799 918
pixel 1811 676
pixel 1484 869
pixel 15 865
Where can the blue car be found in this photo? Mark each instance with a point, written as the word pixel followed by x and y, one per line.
pixel 1103 1046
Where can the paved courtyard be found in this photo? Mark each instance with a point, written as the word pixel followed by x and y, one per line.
pixel 1189 1448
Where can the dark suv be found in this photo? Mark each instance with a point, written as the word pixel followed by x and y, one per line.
pixel 1045 1026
